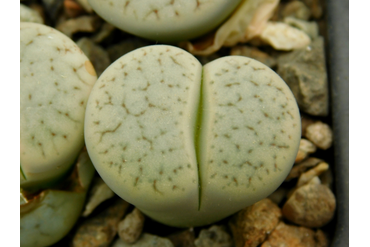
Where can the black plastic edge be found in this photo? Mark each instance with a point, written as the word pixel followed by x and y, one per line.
pixel 338 68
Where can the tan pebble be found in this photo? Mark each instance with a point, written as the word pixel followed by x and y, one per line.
pixel 296 9
pixel 72 8
pixel 130 228
pixel 251 226
pixel 316 171
pixel 301 167
pixel 79 24
pixel 278 195
pixel 305 122
pixel 183 239
pixel 288 235
pixel 99 192
pixel 321 239
pixel 305 148
pixel 215 236
pixel 320 134
pixel 100 229
pixel 311 205
pixel 252 52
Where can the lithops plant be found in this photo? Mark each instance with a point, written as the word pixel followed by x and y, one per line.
pixel 189 145
pixel 49 215
pixel 165 20
pixel 55 81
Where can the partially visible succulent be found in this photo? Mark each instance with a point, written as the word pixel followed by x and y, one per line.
pixel 165 20
pixel 48 216
pixel 189 145
pixel 55 81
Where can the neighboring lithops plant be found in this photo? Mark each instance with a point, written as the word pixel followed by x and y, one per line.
pixel 189 145
pixel 165 20
pixel 49 215
pixel 55 81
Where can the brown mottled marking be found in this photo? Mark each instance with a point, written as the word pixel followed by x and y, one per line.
pixel 155 187
pixel 174 171
pixel 265 114
pixel 225 162
pixel 237 146
pixel 64 136
pixel 30 96
pixel 260 143
pixel 33 137
pixel 254 83
pixel 53 134
pixel 255 69
pixel 236 181
pixel 40 144
pixel 30 42
pixel 52 68
pixel 109 131
pixel 136 180
pixel 250 151
pixel 226 176
pixel 232 84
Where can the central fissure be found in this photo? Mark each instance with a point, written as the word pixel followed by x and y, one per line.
pixel 197 138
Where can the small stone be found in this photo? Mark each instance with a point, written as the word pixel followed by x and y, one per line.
pixel 278 195
pixel 102 228
pixel 300 168
pixel 29 15
pixel 97 55
pixel 105 30
pixel 311 28
pixel 320 134
pixel 296 9
pixel 304 71
pixel 311 205
pixel 305 148
pixel 215 236
pixel 283 37
pixel 99 192
pixel 321 239
pixel 251 226
pixel 85 4
pixel 327 178
pixel 53 8
pixel 305 122
pixel 146 240
pixel 252 52
pixel 183 239
pixel 72 8
pixel 80 24
pixel 316 7
pixel 130 228
pixel 120 49
pixel 308 175
pixel 288 235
